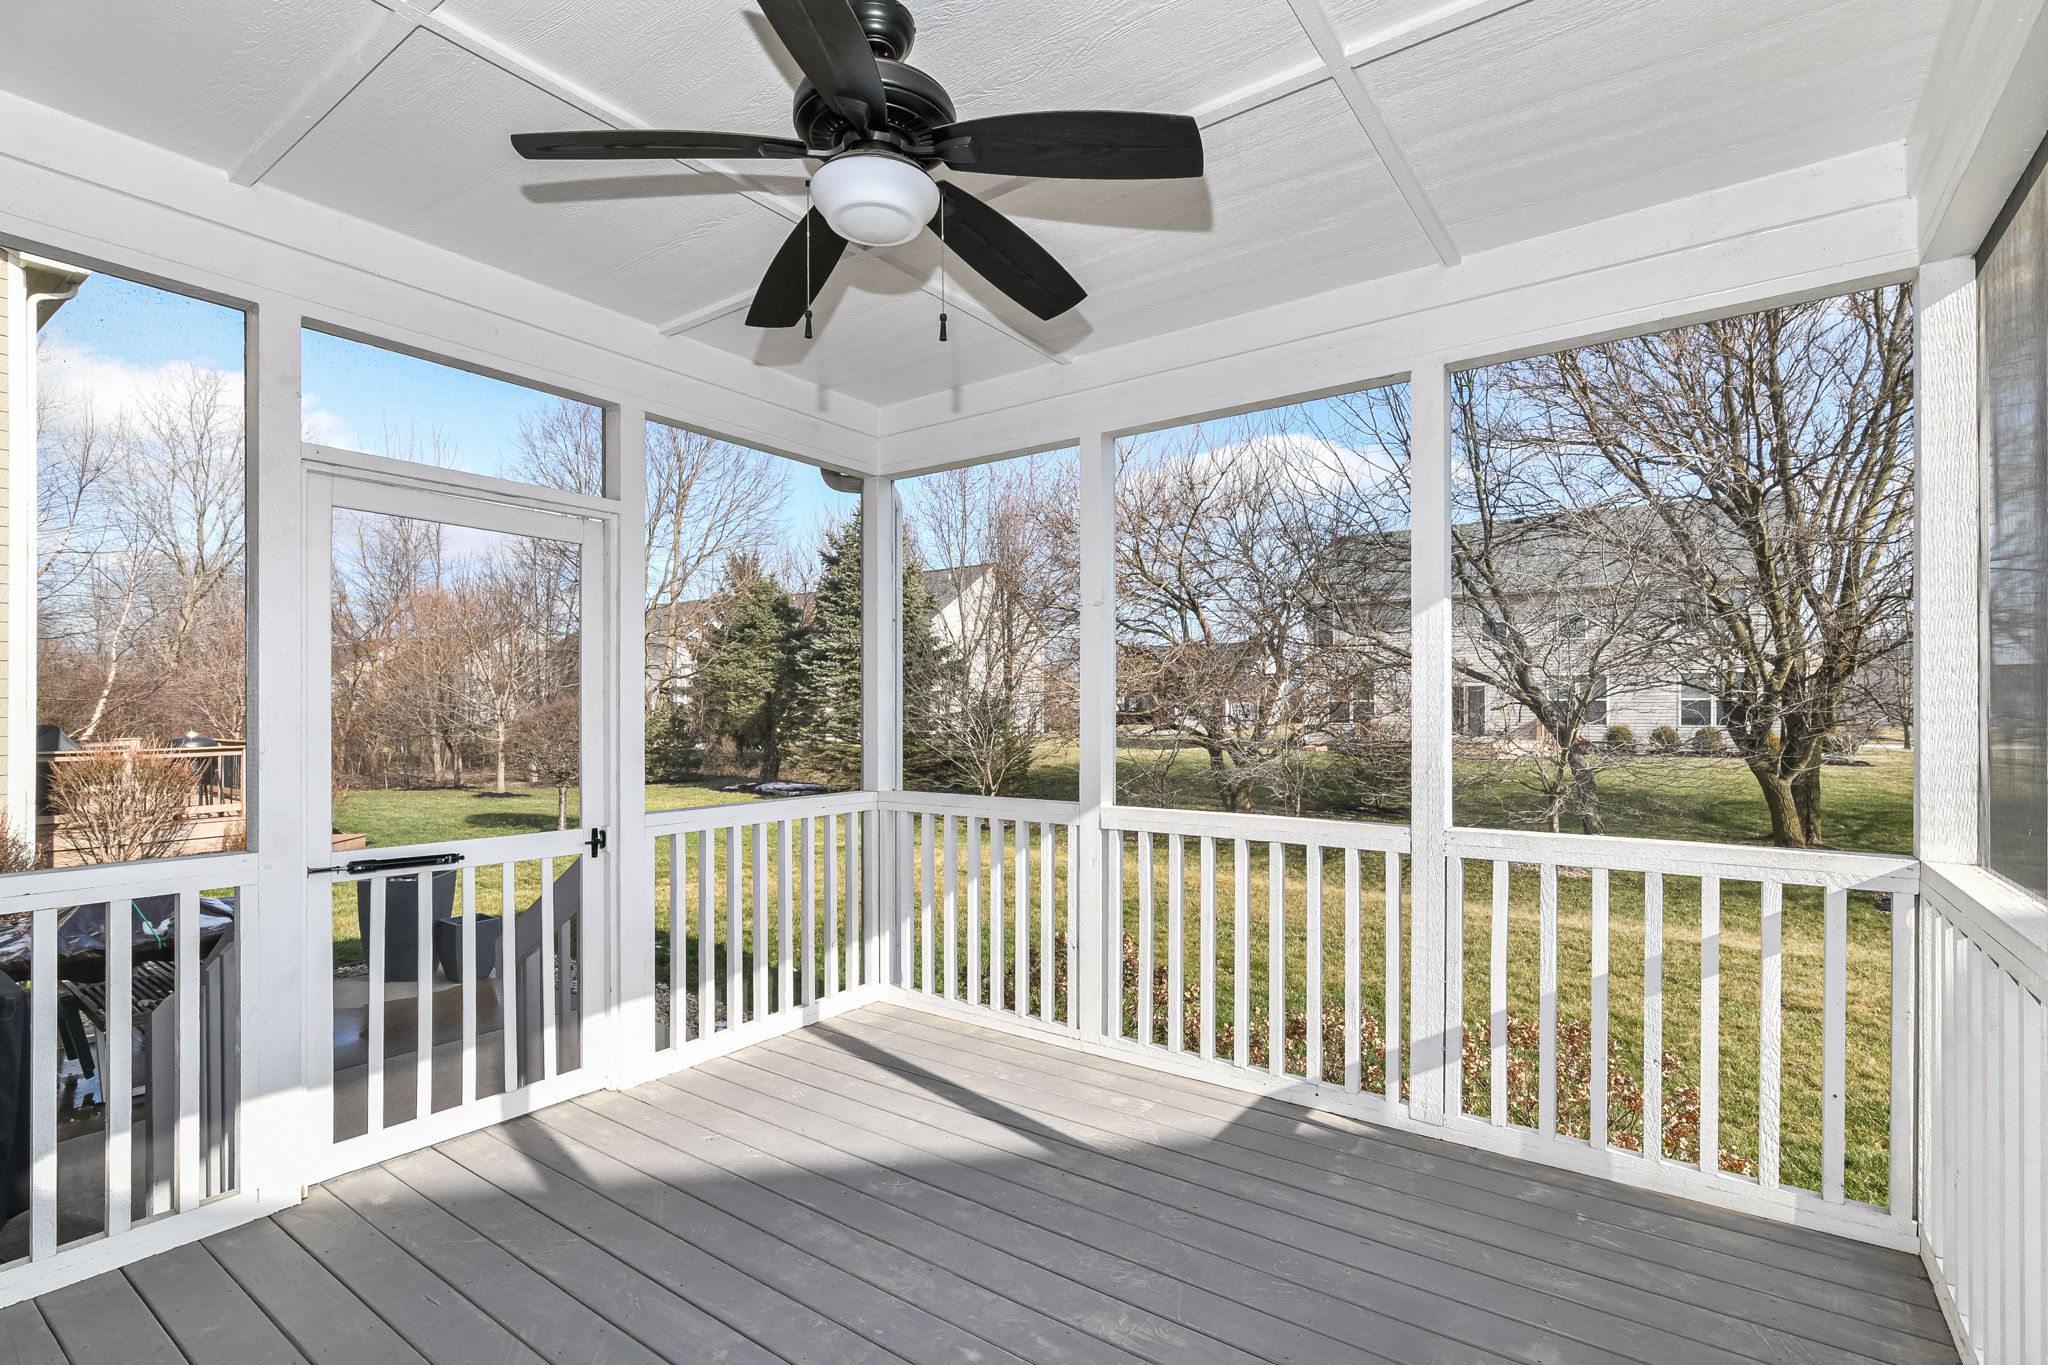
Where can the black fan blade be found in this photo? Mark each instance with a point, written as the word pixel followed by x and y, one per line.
pixel 1078 144
pixel 830 47
pixel 1004 254
pixel 610 144
pixel 789 286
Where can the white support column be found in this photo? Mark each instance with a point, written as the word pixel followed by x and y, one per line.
pixel 626 873
pixel 1949 532
pixel 282 1118
pixel 1098 927
pixel 1433 1072
pixel 881 691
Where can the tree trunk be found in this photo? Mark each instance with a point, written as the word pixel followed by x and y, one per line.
pixel 1585 792
pixel 561 808
pixel 1787 829
pixel 499 742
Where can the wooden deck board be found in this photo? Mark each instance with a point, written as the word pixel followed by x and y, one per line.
pixel 898 1187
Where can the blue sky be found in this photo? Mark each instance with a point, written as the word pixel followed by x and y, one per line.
pixel 111 340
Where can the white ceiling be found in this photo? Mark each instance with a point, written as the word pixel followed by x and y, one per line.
pixel 1348 140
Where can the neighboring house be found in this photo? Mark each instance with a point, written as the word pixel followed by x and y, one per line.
pixel 31 292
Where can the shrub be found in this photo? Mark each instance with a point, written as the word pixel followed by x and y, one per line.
pixel 1621 739
pixel 1846 739
pixel 120 807
pixel 1665 739
pixel 1708 740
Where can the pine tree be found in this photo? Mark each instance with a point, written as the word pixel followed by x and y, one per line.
pixel 745 682
pixel 825 736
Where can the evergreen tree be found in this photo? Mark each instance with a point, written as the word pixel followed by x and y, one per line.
pixel 825 735
pixel 745 680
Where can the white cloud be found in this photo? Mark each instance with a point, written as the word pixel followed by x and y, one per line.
pixel 76 377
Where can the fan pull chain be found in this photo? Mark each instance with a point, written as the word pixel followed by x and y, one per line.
pixel 942 268
pixel 809 209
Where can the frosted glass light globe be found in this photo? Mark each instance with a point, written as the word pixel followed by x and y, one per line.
pixel 874 198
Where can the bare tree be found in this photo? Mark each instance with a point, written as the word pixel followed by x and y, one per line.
pixel 551 746
pixel 1774 452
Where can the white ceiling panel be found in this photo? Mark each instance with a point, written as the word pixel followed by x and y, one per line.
pixel 712 67
pixel 1566 111
pixel 1294 203
pixel 420 146
pixel 201 77
pixel 1362 21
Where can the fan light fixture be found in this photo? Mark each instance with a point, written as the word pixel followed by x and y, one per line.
pixel 875 198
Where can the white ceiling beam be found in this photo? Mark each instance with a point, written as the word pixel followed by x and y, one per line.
pixel 1322 35
pixel 325 95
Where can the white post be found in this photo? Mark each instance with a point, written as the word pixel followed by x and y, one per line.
pixel 282 1119
pixel 881 722
pixel 616 717
pixel 1433 1073
pixel 1948 524
pixel 1098 927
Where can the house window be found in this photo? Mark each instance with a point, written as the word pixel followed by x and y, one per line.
pixel 1573 627
pixel 1591 690
pixel 1468 710
pixel 1698 704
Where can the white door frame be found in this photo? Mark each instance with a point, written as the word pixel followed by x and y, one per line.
pixel 336 479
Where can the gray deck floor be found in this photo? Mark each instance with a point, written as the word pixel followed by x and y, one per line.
pixel 896 1187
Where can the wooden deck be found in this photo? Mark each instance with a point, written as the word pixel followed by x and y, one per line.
pixel 897 1187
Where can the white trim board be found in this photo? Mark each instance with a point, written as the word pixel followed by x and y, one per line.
pixel 75 190
pixel 1807 232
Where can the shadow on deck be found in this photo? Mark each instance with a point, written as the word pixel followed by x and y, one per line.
pixel 893 1186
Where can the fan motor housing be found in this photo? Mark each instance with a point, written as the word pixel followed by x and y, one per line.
pixel 917 104
pixel 889 27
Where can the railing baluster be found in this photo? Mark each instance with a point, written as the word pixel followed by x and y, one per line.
pixel 707 932
pixel 1045 920
pixel 1147 931
pixel 952 908
pixel 1653 1016
pixel 758 1005
pixel 1176 946
pixel 1597 1088
pixel 856 883
pixel 1241 956
pixel 1905 930
pixel 1395 976
pixel 1276 959
pixel 1354 1060
pixel 1116 898
pixel 1710 1025
pixel 974 910
pixel 374 951
pixel 785 964
pixel 807 875
pixel 1021 956
pixel 1208 942
pixel 549 966
pixel 832 905
pixel 1312 959
pixel 1454 980
pixel 467 878
pixel 189 1142
pixel 42 1071
pixel 1770 1047
pixel 508 974
pixel 1546 1085
pixel 927 853
pixel 735 935
pixel 1497 982
pixel 117 1051
pixel 998 849
pixel 1834 1043
pixel 424 898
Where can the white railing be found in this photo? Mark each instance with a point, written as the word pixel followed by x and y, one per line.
pixel 464 999
pixel 120 1016
pixel 763 916
pixel 1983 1113
pixel 1735 1084
pixel 1242 934
pixel 988 903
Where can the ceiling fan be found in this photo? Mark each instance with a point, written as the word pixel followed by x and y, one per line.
pixel 879 127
